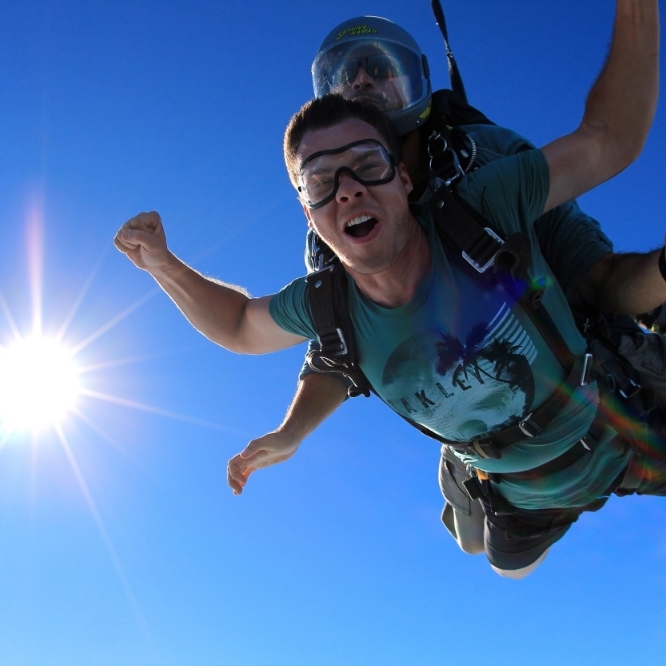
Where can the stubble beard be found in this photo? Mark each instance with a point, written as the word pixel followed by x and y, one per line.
pixel 383 259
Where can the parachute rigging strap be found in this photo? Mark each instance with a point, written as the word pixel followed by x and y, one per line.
pixel 329 303
pixel 454 73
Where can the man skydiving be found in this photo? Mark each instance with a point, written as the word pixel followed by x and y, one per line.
pixel 373 60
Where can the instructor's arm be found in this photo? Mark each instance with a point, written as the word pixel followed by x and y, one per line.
pixel 619 109
pixel 223 313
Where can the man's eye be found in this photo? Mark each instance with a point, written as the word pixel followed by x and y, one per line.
pixel 320 184
pixel 369 168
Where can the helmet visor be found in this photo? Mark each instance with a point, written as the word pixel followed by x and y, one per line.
pixel 387 75
pixel 366 161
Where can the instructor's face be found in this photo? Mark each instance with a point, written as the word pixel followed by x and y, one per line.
pixel 367 226
pixel 382 92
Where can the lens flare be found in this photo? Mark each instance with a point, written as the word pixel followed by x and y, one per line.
pixel 38 384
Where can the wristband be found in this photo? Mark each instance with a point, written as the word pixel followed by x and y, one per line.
pixel 662 263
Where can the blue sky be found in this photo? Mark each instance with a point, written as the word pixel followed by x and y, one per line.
pixel 123 544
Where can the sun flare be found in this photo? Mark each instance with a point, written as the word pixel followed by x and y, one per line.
pixel 38 384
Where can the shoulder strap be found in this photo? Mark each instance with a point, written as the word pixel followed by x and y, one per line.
pixel 329 303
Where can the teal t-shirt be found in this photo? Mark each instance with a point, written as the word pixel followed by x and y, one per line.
pixel 461 359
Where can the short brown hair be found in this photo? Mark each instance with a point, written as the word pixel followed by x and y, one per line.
pixel 327 111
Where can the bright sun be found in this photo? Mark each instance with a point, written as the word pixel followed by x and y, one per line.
pixel 38 384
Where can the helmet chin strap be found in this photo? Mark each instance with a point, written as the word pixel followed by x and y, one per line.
pixel 454 73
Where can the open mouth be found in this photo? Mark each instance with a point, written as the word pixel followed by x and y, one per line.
pixel 360 226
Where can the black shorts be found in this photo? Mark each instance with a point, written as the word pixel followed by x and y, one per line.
pixel 510 542
pixel 516 541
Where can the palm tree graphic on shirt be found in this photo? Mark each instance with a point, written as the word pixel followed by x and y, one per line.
pixel 508 365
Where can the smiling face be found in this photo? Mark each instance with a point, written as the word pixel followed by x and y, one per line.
pixel 367 226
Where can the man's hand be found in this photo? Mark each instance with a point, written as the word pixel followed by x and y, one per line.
pixel 273 448
pixel 143 240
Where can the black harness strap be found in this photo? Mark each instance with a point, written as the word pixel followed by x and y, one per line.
pixel 460 226
pixel 454 73
pixel 329 304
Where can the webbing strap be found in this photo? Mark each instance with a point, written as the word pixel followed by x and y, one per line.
pixel 459 226
pixel 324 312
pixel 454 73
pixel 329 304
pixel 463 228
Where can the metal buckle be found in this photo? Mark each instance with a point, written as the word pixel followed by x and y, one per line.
pixel 529 428
pixel 331 339
pixel 438 146
pixel 343 344
pixel 478 267
pixel 632 391
pixel 587 367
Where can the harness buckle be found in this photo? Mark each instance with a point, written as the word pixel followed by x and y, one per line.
pixel 528 427
pixel 343 343
pixel 587 368
pixel 483 268
pixel 444 162
pixel 336 340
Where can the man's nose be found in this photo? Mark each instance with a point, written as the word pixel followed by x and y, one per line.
pixel 349 188
pixel 363 79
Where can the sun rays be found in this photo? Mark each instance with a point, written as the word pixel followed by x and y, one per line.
pixel 38 384
pixel 49 379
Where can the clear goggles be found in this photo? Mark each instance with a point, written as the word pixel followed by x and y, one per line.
pixel 336 70
pixel 366 161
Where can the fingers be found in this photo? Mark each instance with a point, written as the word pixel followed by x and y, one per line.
pixel 142 239
pixel 149 223
pixel 239 468
pixel 265 451
pixel 238 473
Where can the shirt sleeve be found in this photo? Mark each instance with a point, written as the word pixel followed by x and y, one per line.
pixel 571 242
pixel 511 192
pixel 494 142
pixel 290 309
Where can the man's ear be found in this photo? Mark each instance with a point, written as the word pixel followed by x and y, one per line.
pixel 308 215
pixel 404 177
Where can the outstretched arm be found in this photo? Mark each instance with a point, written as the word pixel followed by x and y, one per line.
pixel 223 313
pixel 619 109
pixel 317 397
